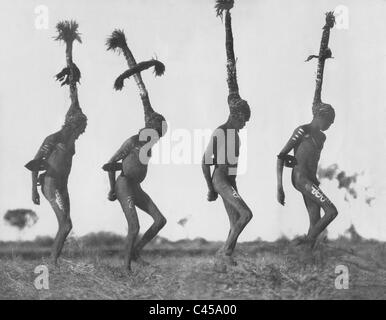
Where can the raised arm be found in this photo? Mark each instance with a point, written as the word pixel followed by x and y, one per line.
pixel 284 159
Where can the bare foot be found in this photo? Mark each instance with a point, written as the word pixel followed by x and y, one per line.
pixel 127 267
pixel 219 266
pixel 54 263
pixel 227 259
pixel 304 241
pixel 300 240
pixel 128 270
pixel 138 259
pixel 141 262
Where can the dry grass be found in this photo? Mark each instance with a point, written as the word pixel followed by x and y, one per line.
pixel 185 270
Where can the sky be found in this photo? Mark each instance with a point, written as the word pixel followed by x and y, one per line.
pixel 272 38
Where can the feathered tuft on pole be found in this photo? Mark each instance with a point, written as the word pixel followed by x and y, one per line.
pixel 117 40
pixel 68 31
pixel 330 20
pixel 118 84
pixel 159 69
pixel 223 5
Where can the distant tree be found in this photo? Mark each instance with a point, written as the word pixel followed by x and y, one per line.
pixel 21 218
pixel 182 222
pixel 353 234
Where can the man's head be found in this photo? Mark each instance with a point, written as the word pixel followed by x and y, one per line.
pixel 324 115
pixel 75 124
pixel 240 112
pixel 156 122
pixel 238 120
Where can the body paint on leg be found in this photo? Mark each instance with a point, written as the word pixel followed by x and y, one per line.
pixel 130 201
pixel 318 194
pixel 59 200
pixel 235 194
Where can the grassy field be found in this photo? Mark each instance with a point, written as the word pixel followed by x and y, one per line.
pixel 92 269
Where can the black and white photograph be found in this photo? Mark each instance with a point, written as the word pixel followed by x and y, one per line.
pixel 193 150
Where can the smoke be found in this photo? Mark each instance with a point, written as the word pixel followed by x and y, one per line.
pixel 346 182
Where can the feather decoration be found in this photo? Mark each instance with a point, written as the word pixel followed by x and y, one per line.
pixel 159 69
pixel 68 31
pixel 64 75
pixel 311 57
pixel 117 40
pixel 223 5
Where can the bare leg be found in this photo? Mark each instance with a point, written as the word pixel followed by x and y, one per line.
pixel 60 203
pixel 233 217
pixel 313 194
pixel 226 250
pixel 144 202
pixel 313 209
pixel 124 191
pixel 238 212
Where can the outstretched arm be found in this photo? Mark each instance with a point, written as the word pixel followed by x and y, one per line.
pixel 122 153
pixel 295 139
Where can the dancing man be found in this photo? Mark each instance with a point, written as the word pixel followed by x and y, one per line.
pixel 54 158
pixel 223 148
pixel 307 142
pixel 133 156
